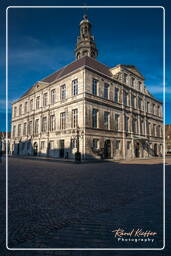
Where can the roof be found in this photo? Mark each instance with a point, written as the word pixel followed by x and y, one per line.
pixel 82 62
pixel 85 61
pixel 132 69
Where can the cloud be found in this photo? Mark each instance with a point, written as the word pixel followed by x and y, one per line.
pixel 159 89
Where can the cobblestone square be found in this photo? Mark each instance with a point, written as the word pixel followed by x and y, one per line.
pixel 68 205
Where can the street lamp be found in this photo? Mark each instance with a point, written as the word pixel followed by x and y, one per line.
pixel 77 138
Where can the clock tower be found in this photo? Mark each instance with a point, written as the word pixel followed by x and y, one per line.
pixel 85 42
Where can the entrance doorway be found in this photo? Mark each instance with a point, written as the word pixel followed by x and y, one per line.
pixel 155 150
pixel 35 149
pixel 107 149
pixel 137 149
pixel 62 147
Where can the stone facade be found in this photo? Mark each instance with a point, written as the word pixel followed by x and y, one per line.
pixel 88 107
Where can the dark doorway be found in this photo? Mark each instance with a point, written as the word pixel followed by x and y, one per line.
pixel 35 149
pixel 61 152
pixel 107 149
pixel 137 149
pixel 155 150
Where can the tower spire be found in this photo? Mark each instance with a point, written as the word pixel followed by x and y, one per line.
pixel 85 41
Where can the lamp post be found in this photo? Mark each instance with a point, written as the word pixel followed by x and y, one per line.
pixel 77 137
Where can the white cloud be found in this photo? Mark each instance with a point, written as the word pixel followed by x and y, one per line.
pixel 158 89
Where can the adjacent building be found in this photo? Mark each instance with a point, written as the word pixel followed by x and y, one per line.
pixel 168 138
pixel 86 106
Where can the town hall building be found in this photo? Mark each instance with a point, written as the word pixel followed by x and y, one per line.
pixel 88 107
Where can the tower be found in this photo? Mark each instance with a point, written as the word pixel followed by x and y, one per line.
pixel 85 42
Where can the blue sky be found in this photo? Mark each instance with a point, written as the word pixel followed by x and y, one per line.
pixel 43 40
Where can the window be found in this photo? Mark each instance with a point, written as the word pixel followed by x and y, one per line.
pixel 53 96
pixel 148 128
pixel 148 107
pixel 94 86
pixel 15 111
pixel 94 118
pixel 125 78
pixel 106 91
pixel 153 108
pixel 139 85
pixel 25 129
pixel 14 131
pixel 126 123
pixel 63 121
pixel 116 95
pixel 38 102
pixel 19 130
pixel 36 126
pixel 158 110
pixel 158 131
pixel 74 118
pixel 140 103
pixel 95 143
pixel 75 87
pixel 153 130
pixel 44 124
pixel 117 144
pixel 106 120
pixel 128 145
pixel 63 92
pixel 25 107
pixel 125 98
pixel 133 99
pixel 30 127
pixel 116 122
pixel 132 81
pixel 42 144
pixel 45 99
pixel 31 105
pixel 134 125
pixel 141 127
pixel 52 123
pixel 20 110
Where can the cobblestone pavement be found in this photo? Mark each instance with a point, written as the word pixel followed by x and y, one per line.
pixel 68 205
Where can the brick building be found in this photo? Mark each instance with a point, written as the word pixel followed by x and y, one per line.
pixel 86 106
